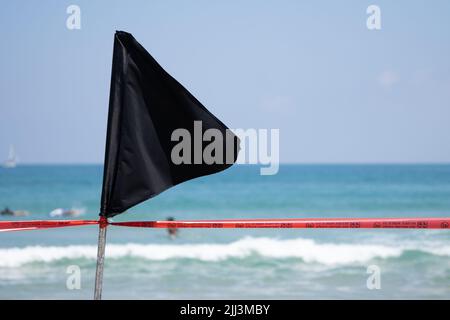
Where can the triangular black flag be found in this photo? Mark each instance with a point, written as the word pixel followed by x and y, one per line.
pixel 146 106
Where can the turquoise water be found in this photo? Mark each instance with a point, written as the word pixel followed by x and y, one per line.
pixel 291 264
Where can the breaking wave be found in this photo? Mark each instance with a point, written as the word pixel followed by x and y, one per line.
pixel 307 250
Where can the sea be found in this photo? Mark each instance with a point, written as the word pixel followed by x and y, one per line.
pixel 240 263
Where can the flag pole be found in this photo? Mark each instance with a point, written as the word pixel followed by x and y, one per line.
pixel 103 224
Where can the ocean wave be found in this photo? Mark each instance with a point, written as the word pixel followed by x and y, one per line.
pixel 307 250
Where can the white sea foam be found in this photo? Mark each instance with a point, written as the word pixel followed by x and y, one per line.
pixel 306 249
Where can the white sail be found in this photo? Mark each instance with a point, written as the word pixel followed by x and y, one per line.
pixel 11 161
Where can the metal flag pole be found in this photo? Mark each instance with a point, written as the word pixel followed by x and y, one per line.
pixel 103 224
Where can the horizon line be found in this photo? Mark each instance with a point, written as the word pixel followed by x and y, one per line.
pixel 255 164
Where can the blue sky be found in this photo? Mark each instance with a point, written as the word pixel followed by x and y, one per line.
pixel 338 92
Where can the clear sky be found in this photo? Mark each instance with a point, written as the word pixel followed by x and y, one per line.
pixel 337 91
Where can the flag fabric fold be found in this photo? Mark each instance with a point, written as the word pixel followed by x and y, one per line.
pixel 149 114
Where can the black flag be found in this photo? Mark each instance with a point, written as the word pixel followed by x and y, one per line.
pixel 150 114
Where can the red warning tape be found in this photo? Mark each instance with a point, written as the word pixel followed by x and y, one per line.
pixel 350 223
pixel 42 224
pixel 403 223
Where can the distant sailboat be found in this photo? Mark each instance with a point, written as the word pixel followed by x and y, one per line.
pixel 11 161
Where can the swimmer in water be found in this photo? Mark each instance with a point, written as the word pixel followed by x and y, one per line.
pixel 173 232
pixel 7 212
pixel 16 213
